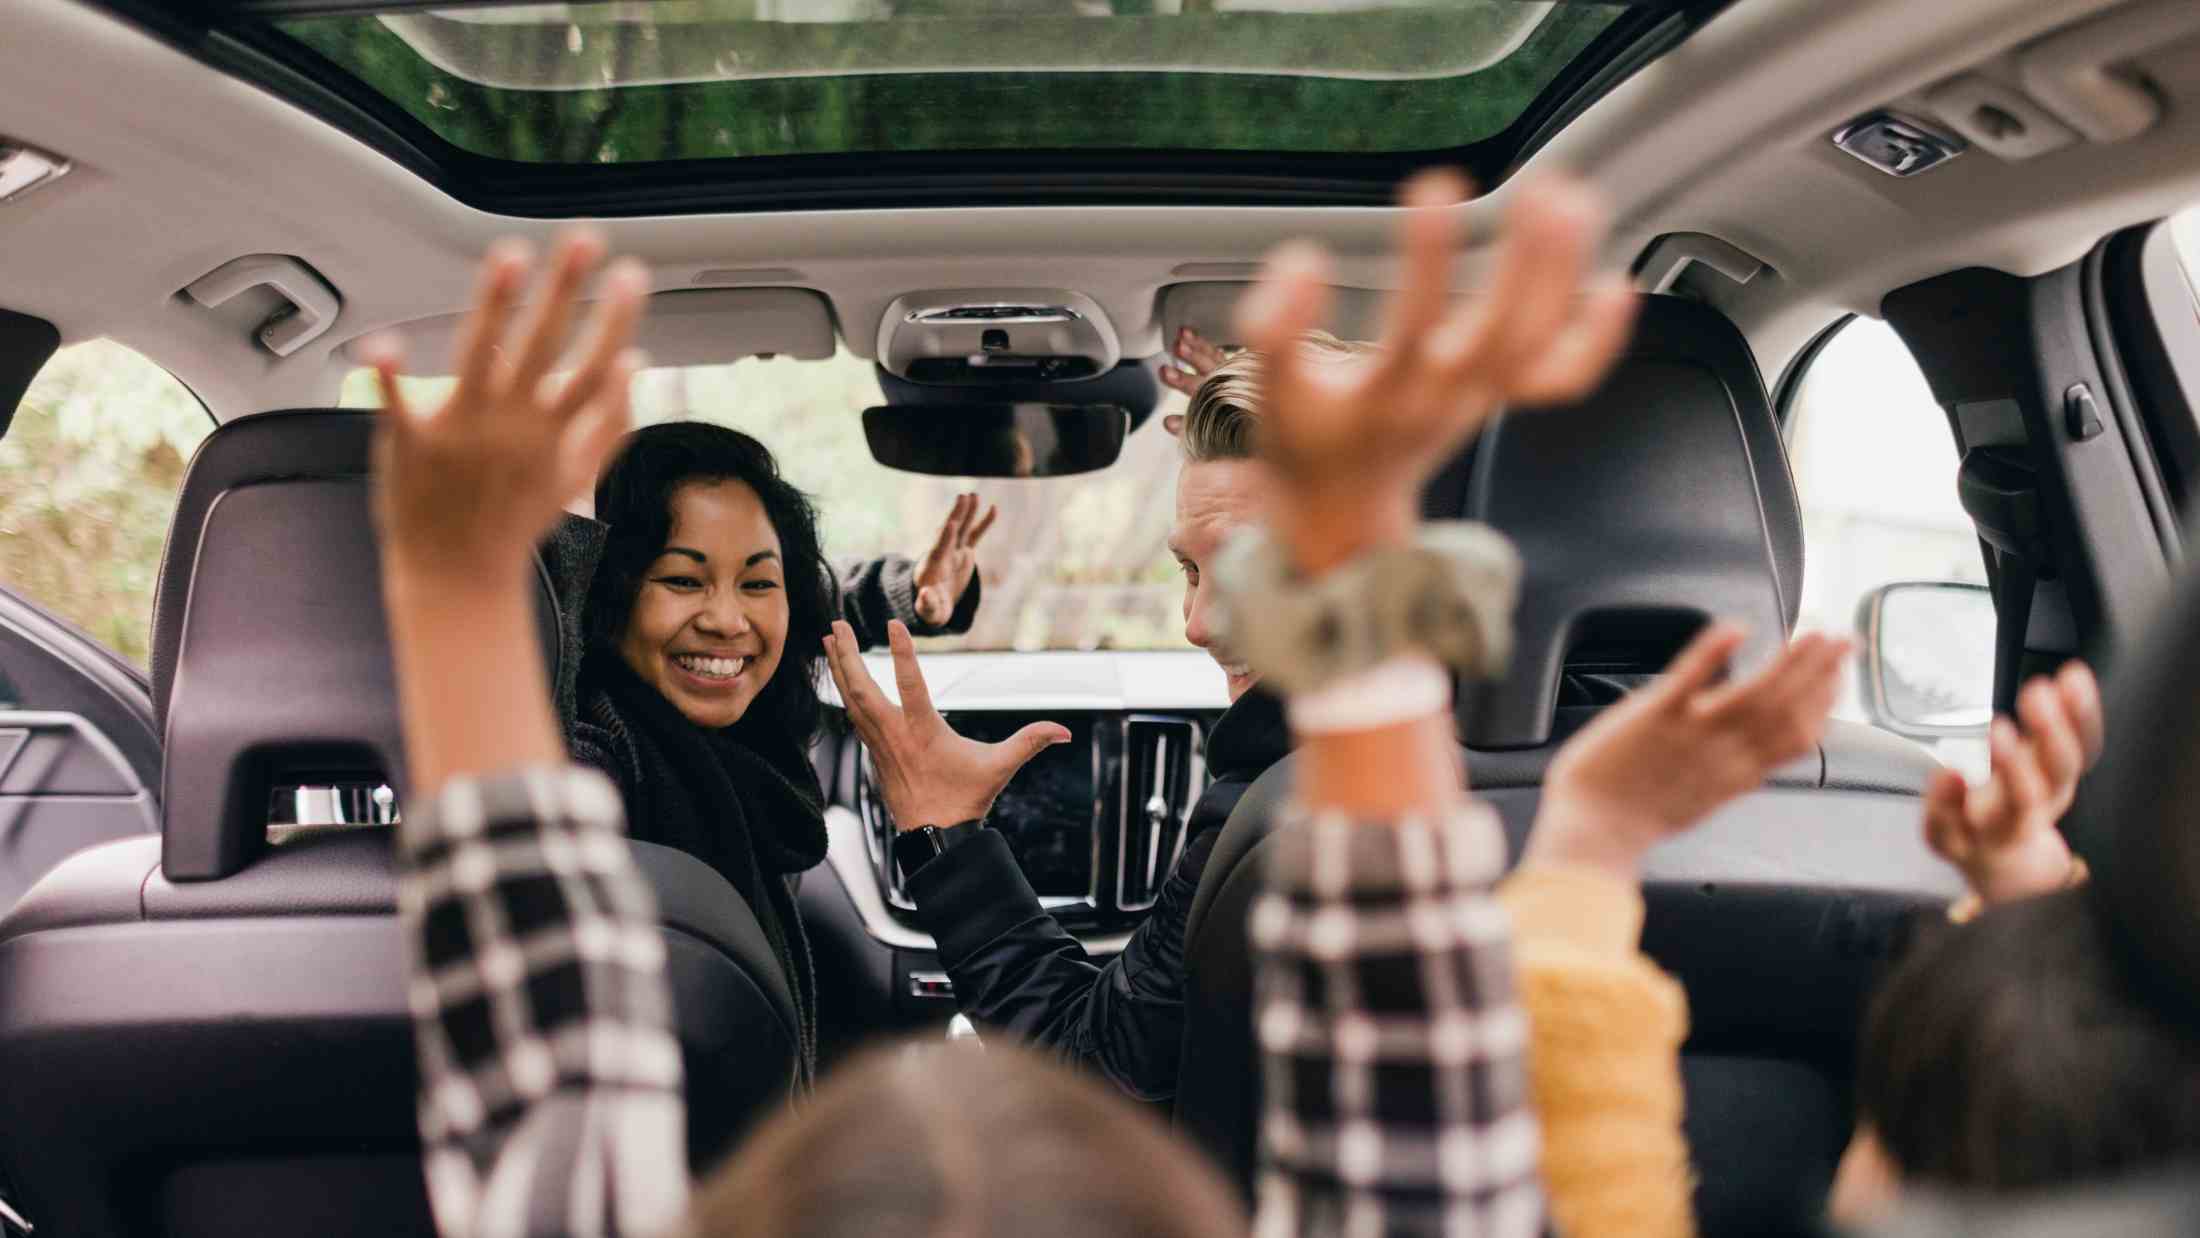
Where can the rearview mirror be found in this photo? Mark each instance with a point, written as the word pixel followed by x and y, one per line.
pixel 1928 664
pixel 997 440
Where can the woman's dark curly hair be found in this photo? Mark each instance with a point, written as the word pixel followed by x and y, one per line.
pixel 635 499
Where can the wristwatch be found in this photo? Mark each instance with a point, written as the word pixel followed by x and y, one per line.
pixel 913 849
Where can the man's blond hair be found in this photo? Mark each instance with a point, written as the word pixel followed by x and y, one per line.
pixel 1220 422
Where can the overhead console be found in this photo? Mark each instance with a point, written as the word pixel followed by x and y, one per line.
pixel 2083 83
pixel 983 337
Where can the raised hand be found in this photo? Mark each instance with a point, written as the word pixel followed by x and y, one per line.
pixel 463 490
pixel 2001 834
pixel 1354 441
pixel 468 486
pixel 1200 359
pixel 946 568
pixel 1661 760
pixel 927 774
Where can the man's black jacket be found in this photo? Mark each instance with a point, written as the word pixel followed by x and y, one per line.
pixel 1017 970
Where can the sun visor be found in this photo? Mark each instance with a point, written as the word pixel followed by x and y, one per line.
pixel 700 327
pixel 1209 307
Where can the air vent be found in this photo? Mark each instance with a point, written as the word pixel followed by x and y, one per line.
pixel 878 833
pixel 1161 777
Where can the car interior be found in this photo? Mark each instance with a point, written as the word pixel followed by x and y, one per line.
pixel 203 1022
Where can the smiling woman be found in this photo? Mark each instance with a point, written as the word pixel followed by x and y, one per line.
pixel 1074 563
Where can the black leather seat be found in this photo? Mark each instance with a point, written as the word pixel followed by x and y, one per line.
pixel 1662 500
pixel 206 1033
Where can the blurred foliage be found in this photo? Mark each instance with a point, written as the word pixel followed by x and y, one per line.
pixel 817 111
pixel 89 472
pixel 1072 563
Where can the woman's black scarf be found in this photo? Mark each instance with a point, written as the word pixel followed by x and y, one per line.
pixel 744 799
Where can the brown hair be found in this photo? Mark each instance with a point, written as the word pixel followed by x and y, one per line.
pixel 1220 421
pixel 930 1140
pixel 2013 1053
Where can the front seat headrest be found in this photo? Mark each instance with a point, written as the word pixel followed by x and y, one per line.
pixel 1661 500
pixel 271 656
pixel 299 443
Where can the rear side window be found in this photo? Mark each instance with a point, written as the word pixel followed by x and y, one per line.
pixel 1875 468
pixel 2185 230
pixel 89 473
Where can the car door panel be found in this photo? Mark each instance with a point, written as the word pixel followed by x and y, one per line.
pixel 79 754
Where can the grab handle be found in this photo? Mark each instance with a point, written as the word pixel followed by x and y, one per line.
pixel 313 304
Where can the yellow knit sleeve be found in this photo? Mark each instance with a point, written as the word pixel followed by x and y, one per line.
pixel 1605 1029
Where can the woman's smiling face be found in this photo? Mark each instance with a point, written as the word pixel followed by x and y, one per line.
pixel 709 622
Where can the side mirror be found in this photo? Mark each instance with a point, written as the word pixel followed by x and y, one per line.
pixel 1927 668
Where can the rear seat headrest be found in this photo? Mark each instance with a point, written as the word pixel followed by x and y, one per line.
pixel 1661 500
pixel 271 658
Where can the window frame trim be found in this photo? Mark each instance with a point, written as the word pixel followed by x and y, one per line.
pixel 1798 369
pixel 2163 380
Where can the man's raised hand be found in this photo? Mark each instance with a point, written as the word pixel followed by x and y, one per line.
pixel 927 774
pixel 945 571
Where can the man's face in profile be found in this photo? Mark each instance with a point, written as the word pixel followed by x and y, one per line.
pixel 1214 498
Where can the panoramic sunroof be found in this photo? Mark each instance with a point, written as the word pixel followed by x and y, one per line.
pixel 628 83
pixel 641 107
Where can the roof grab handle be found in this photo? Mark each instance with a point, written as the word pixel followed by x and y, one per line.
pixel 2073 73
pixel 313 304
pixel 1670 257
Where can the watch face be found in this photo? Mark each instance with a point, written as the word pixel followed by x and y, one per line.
pixel 914 848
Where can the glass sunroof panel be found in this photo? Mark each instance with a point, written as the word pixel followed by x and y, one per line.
pixel 631 83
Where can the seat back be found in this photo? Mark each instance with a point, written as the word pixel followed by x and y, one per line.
pixel 208 1032
pixel 1662 500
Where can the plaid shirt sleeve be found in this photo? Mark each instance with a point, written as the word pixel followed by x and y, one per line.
pixel 550 1084
pixel 1393 1049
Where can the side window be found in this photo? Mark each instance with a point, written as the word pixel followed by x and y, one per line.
pixel 1875 469
pixel 89 473
pixel 2184 228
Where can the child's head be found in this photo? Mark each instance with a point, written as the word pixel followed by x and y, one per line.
pixel 933 1139
pixel 2012 1053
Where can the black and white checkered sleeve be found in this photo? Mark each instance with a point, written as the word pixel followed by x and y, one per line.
pixel 550 1084
pixel 1393 1048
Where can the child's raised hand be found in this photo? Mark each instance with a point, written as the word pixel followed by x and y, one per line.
pixel 1352 442
pixel 463 490
pixel 2002 833
pixel 1664 758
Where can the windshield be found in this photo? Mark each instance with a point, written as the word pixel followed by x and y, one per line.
pixel 1072 563
pixel 613 83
